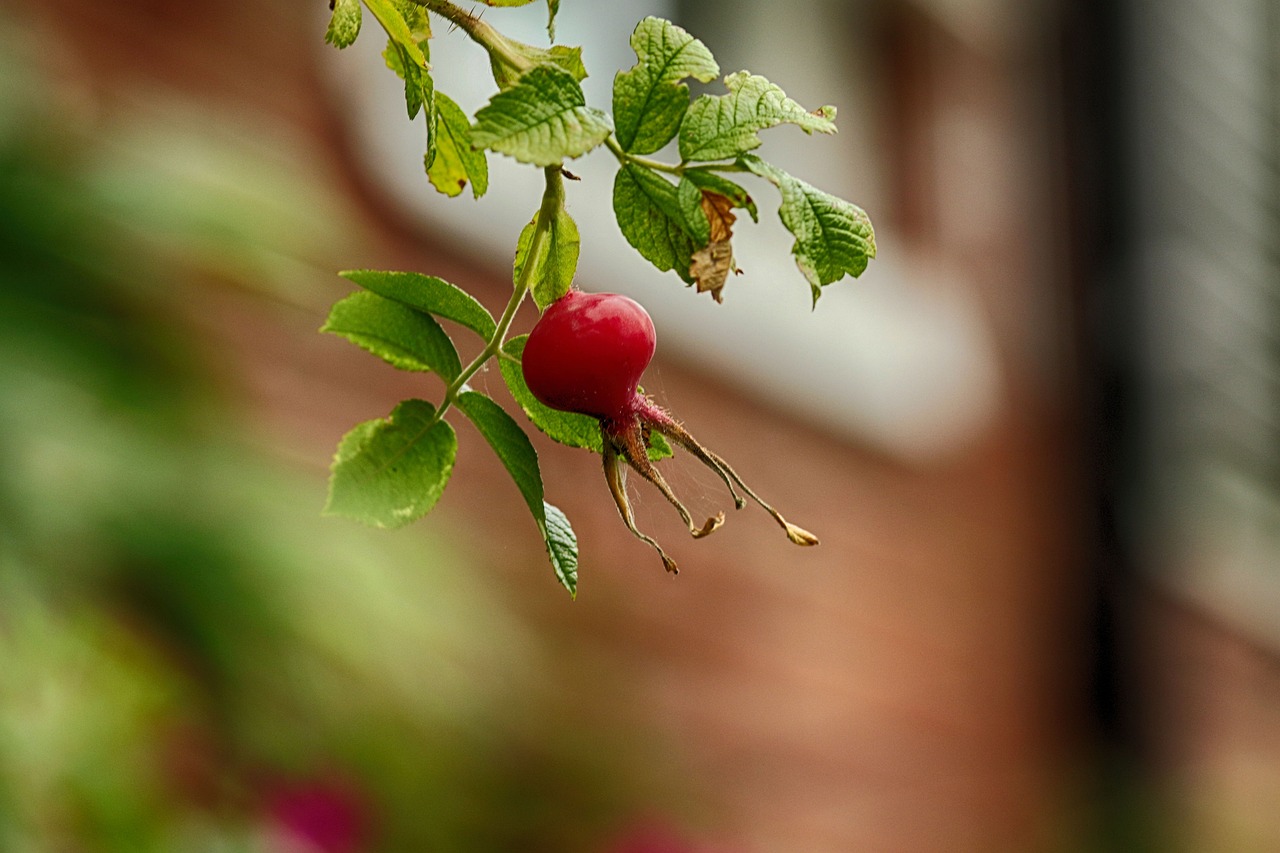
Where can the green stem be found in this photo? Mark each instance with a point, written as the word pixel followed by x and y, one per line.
pixel 552 202
pixel 659 166
pixel 480 31
pixel 656 165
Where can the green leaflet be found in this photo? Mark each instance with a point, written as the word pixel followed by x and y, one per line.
pixel 565 427
pixel 402 337
pixel 562 547
pixel 427 293
pixel 398 30
pixel 508 441
pixel 557 259
pixel 512 446
pixel 649 100
pixel 834 238
pixel 657 219
pixel 566 58
pixel 405 56
pixel 717 127
pixel 542 120
pixel 419 93
pixel 692 217
pixel 716 183
pixel 344 23
pixel 389 472
pixel 418 22
pixel 408 31
pixel 456 162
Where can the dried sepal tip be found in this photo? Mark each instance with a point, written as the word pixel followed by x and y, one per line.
pixel 615 474
pixel 657 419
pixel 627 436
pixel 798 535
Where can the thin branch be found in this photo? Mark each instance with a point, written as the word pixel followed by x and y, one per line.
pixel 552 201
pixel 480 32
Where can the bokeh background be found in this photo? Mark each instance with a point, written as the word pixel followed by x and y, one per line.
pixel 1040 440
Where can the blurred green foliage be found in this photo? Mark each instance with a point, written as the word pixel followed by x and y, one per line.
pixel 190 657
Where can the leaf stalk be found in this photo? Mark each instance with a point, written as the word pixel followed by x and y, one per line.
pixel 623 157
pixel 670 168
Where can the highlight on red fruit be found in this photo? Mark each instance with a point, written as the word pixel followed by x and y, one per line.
pixel 586 354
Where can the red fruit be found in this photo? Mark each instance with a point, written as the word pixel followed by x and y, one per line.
pixel 586 355
pixel 587 352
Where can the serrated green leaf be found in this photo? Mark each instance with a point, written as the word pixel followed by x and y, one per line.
pixel 402 337
pixel 398 30
pixel 663 110
pixel 566 58
pixel 390 472
pixel 513 447
pixel 419 90
pixel 427 293
pixel 652 218
pixel 406 56
pixel 344 23
pixel 417 83
pixel 649 100
pixel 541 120
pixel 433 116
pixel 717 183
pixel 717 127
pixel 562 547
pixel 456 161
pixel 418 22
pixel 834 238
pixel 355 438
pixel 693 217
pixel 419 87
pixel 508 441
pixel 556 262
pixel 565 427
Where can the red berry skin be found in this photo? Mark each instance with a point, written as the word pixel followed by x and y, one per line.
pixel 587 352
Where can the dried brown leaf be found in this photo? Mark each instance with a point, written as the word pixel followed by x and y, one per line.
pixel 710 266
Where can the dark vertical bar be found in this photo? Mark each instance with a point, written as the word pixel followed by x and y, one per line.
pixel 1098 127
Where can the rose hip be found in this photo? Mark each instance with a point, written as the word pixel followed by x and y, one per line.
pixel 586 355
pixel 587 352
